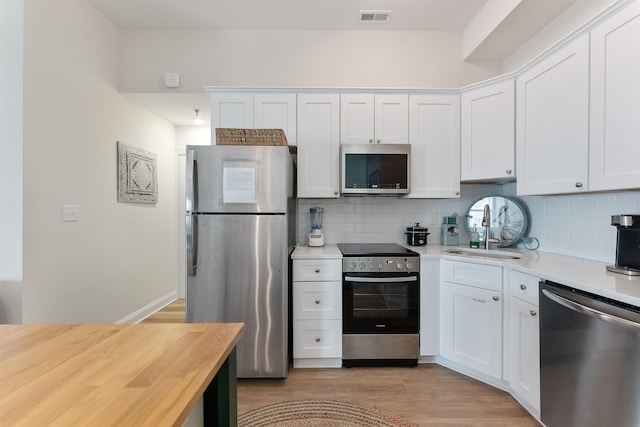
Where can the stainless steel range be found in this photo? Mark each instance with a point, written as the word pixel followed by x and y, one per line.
pixel 380 305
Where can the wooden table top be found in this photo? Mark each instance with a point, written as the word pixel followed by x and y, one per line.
pixel 108 375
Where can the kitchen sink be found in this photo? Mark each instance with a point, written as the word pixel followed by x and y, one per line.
pixel 494 253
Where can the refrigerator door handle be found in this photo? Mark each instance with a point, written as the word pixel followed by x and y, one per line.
pixel 192 244
pixel 192 182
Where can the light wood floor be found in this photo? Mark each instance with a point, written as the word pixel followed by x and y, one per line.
pixel 428 395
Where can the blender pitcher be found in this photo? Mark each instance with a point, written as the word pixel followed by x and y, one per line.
pixel 316 237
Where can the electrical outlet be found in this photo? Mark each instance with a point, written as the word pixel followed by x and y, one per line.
pixel 70 213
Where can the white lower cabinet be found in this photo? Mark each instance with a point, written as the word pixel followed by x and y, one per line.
pixel 317 313
pixel 471 316
pixel 524 339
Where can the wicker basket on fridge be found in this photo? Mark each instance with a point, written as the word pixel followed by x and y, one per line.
pixel 231 136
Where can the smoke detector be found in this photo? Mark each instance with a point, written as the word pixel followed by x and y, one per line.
pixel 378 16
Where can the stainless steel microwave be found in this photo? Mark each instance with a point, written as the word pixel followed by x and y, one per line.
pixel 368 169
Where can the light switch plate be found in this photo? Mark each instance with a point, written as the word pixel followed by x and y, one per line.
pixel 70 213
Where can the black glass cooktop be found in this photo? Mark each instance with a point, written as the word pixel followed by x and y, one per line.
pixel 374 249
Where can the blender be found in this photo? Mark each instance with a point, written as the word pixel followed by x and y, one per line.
pixel 316 237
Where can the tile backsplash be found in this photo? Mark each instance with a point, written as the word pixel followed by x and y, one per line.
pixel 576 225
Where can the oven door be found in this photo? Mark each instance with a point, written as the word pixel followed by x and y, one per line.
pixel 381 303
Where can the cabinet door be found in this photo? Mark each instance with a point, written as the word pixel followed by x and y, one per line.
pixel 356 118
pixel 318 145
pixel 487 132
pixel 231 110
pixel 552 122
pixel 615 102
pixel 434 135
pixel 391 118
pixel 471 321
pixel 524 351
pixel 276 111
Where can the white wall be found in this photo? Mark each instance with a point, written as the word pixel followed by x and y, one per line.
pixel 575 16
pixel 297 59
pixel 119 257
pixel 11 27
pixel 385 219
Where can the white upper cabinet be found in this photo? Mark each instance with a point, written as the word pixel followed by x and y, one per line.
pixel 262 110
pixel 615 102
pixel 231 110
pixel 487 132
pixel 318 145
pixel 276 111
pixel 552 122
pixel 367 118
pixel 434 135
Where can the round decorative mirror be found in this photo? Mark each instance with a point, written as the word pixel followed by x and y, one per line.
pixel 508 219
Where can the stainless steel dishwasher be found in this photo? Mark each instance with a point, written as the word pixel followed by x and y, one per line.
pixel 589 359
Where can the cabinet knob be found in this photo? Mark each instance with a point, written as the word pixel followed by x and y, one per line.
pixel 371 141
pixel 335 193
pixel 578 184
pixel 509 171
pixel 496 298
pixel 457 193
pixel 523 286
pixel 533 312
pixel 378 141
pixel 317 301
pixel 317 270
pixel 317 339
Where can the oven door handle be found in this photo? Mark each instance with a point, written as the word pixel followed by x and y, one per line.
pixel 380 279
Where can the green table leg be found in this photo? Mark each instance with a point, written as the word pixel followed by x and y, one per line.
pixel 221 397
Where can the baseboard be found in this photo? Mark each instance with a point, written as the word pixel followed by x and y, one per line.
pixel 149 309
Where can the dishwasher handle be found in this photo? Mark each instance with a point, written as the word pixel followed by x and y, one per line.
pixel 591 312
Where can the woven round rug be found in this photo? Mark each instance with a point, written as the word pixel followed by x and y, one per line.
pixel 319 413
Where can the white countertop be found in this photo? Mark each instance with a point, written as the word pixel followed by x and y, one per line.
pixel 329 251
pixel 590 276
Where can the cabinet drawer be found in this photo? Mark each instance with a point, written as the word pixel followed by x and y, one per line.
pixel 317 338
pixel 476 275
pixel 317 269
pixel 317 300
pixel 524 286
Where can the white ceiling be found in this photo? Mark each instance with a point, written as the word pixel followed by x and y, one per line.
pixel 288 14
pixel 510 32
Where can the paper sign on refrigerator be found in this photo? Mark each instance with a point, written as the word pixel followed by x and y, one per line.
pixel 239 182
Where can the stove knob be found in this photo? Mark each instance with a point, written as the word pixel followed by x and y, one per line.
pixel 352 266
pixel 399 265
pixel 409 265
pixel 380 266
pixel 362 266
pixel 371 266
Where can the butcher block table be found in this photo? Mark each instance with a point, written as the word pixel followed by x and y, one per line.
pixel 117 375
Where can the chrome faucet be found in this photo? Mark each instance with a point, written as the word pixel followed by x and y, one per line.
pixel 486 223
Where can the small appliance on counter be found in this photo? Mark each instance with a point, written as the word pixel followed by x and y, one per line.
pixel 316 237
pixel 416 235
pixel 627 245
pixel 449 235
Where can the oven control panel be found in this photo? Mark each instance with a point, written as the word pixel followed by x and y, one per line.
pixel 381 264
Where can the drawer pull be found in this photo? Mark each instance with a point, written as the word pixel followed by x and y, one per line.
pixel 317 270
pixel 479 300
pixel 523 286
pixel 496 298
pixel 317 339
pixel 317 301
pixel 533 313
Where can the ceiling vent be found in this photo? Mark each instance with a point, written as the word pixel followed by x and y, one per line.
pixel 378 16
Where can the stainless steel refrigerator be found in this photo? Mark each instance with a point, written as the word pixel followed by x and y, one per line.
pixel 240 230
